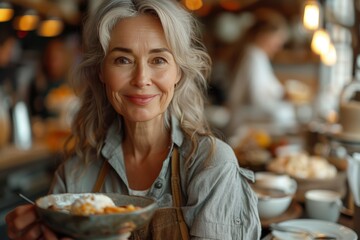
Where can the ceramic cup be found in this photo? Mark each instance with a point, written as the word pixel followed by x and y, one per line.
pixel 323 204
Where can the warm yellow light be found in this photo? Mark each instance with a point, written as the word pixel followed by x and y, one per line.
pixel 311 17
pixel 50 28
pixel 26 22
pixel 329 57
pixel 193 4
pixel 320 41
pixel 6 14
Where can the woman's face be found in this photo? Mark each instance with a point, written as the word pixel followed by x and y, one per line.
pixel 139 70
pixel 273 42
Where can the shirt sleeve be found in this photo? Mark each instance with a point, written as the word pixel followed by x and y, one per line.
pixel 221 203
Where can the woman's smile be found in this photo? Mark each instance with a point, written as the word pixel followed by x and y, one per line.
pixel 141 99
pixel 139 70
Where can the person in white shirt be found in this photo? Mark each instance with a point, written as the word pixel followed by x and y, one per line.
pixel 256 94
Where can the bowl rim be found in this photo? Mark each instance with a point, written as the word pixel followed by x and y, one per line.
pixel 290 188
pixel 82 226
pixel 147 208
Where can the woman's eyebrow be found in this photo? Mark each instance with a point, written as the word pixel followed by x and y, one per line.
pixel 159 50
pixel 127 50
pixel 121 49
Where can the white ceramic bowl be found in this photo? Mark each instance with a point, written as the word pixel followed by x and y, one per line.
pixel 275 193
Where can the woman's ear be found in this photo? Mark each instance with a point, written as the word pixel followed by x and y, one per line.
pixel 179 76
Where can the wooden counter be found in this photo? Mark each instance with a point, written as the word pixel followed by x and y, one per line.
pixel 13 157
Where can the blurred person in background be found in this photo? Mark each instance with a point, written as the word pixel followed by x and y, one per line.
pixel 51 80
pixel 7 52
pixel 256 94
pixel 142 83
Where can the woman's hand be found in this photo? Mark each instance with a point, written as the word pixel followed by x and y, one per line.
pixel 49 235
pixel 22 224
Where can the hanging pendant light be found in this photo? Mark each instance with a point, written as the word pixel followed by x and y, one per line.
pixel 193 4
pixel 6 12
pixel 329 57
pixel 26 22
pixel 50 27
pixel 320 41
pixel 311 16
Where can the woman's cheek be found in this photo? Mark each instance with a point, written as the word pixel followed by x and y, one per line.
pixel 116 101
pixel 114 85
pixel 115 79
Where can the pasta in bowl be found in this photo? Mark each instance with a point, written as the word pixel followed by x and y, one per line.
pixel 95 216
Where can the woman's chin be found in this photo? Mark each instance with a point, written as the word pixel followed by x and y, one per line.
pixel 143 118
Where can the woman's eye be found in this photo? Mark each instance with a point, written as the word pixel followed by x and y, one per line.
pixel 159 60
pixel 122 60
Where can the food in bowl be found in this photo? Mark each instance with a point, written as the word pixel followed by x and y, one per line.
pixel 275 193
pixel 94 226
pixel 92 204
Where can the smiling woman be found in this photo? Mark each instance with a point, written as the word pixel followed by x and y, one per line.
pixel 141 128
pixel 139 77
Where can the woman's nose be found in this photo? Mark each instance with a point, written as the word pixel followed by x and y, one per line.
pixel 141 76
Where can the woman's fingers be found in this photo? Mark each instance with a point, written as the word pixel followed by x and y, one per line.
pixel 24 216
pixel 49 235
pixel 21 222
pixel 32 232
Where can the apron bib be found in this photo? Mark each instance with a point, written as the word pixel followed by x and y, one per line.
pixel 166 223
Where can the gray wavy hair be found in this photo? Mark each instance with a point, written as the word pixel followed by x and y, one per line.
pixel 182 33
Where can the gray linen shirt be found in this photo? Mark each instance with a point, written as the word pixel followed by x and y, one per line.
pixel 219 202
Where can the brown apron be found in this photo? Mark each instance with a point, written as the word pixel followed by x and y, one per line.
pixel 167 223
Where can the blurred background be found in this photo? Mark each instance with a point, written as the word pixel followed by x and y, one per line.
pixel 319 57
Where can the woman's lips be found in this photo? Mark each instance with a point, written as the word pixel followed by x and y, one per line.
pixel 141 99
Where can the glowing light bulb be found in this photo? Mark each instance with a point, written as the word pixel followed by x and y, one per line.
pixel 6 12
pixel 193 4
pixel 320 41
pixel 26 22
pixel 50 27
pixel 311 17
pixel 329 57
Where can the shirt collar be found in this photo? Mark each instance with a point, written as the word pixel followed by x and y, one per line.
pixel 114 136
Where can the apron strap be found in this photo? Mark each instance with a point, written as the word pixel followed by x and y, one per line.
pixel 175 189
pixel 101 178
pixel 176 193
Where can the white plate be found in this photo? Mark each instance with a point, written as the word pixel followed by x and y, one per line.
pixel 316 226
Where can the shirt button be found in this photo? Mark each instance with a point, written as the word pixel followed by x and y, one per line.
pixel 158 185
pixel 237 221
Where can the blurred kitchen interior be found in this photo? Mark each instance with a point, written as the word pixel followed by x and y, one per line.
pixel 34 113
